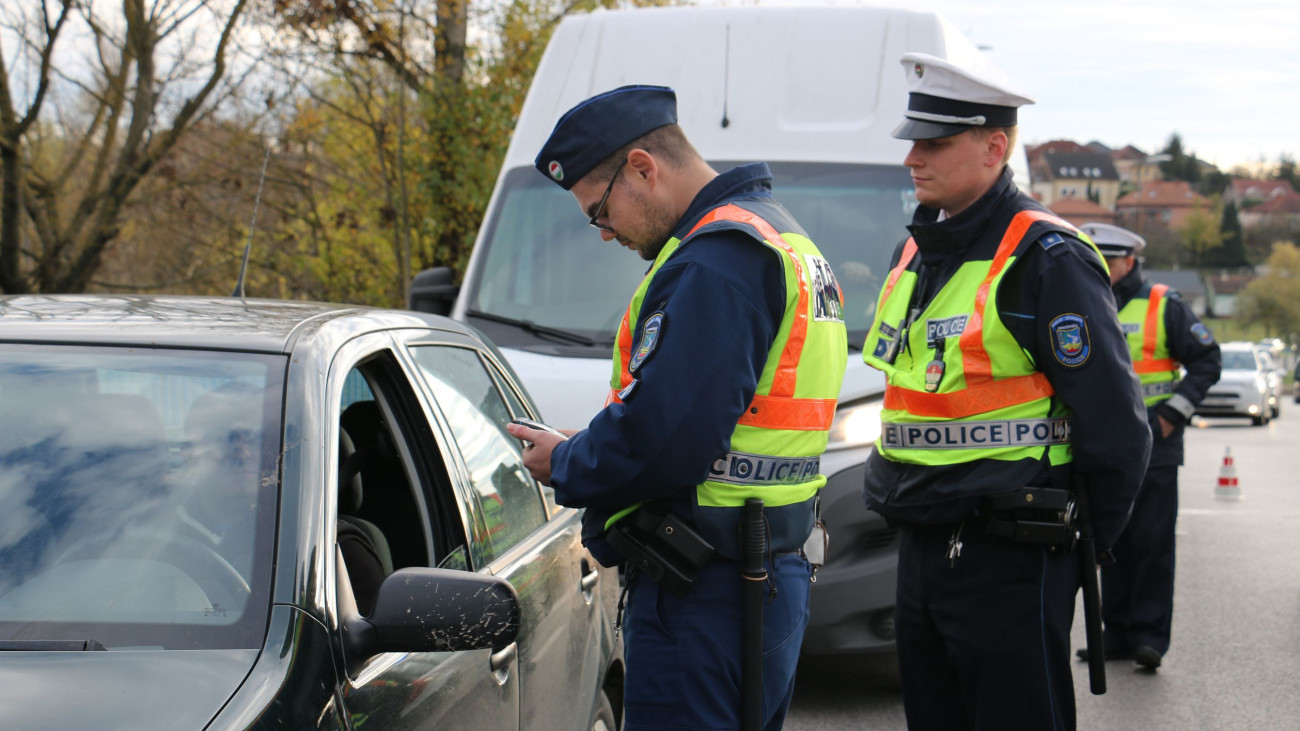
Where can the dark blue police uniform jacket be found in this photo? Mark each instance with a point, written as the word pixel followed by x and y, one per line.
pixel 723 299
pixel 983 633
pixel 1109 435
pixel 1191 346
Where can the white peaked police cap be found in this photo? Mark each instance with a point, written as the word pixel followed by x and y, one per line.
pixel 1113 240
pixel 945 99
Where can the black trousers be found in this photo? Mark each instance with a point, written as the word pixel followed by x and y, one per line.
pixel 984 639
pixel 1137 591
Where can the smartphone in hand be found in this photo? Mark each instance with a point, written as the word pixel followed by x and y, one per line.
pixel 539 426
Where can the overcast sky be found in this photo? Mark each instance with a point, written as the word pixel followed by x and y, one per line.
pixel 1224 74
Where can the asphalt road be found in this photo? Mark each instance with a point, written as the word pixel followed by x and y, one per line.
pixel 1234 662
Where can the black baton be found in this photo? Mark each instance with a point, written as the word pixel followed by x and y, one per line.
pixel 753 545
pixel 1087 553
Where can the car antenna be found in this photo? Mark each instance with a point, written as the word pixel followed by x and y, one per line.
pixel 726 77
pixel 248 247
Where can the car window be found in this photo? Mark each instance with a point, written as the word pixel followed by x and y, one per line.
pixel 510 505
pixel 137 495
pixel 1238 360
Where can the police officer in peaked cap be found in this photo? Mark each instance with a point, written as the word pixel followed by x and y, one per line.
pixel 726 369
pixel 1008 376
pixel 1177 361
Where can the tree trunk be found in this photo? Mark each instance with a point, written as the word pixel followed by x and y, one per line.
pixel 11 279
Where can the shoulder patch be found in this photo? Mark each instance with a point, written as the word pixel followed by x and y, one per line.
pixel 1202 333
pixel 651 335
pixel 1070 341
pixel 1047 241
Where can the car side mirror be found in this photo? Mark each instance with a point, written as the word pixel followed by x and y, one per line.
pixel 433 291
pixel 434 610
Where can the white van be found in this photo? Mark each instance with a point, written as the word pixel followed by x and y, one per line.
pixel 814 92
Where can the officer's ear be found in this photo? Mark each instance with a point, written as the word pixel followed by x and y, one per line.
pixel 995 148
pixel 643 168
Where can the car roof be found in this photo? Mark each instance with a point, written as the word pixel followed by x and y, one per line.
pixel 224 323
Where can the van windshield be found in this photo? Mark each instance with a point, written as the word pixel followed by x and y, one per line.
pixel 545 267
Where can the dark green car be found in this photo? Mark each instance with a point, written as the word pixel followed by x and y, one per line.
pixel 230 514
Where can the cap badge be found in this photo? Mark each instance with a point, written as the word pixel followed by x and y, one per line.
pixel 919 69
pixel 555 170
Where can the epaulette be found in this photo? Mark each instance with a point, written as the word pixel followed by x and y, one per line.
pixel 1050 239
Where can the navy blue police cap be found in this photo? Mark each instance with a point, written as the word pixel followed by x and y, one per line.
pixel 598 127
pixel 945 99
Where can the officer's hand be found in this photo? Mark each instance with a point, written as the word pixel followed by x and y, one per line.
pixel 538 446
pixel 1166 428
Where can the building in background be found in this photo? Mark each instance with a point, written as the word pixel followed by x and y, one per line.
pixel 1081 175
pixel 1158 207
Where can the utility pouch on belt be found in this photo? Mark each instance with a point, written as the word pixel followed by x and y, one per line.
pixel 663 546
pixel 1041 515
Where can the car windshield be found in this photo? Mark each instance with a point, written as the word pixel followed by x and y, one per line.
pixel 138 494
pixel 1238 360
pixel 546 266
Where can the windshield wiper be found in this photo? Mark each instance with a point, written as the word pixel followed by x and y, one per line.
pixel 51 646
pixel 532 327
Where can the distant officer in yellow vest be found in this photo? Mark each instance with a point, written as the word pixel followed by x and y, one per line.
pixel 1007 373
pixel 725 373
pixel 1177 360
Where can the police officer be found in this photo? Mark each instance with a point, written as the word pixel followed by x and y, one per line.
pixel 1007 373
pixel 1163 335
pixel 726 369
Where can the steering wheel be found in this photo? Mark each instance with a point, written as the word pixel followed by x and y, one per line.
pixel 224 586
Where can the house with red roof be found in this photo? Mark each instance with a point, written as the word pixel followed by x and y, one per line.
pixel 1079 211
pixel 1158 206
pixel 1281 212
pixel 1247 193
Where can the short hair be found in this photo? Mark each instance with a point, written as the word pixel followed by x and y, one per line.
pixel 667 143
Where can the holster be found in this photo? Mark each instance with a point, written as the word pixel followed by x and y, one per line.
pixel 664 547
pixel 1038 515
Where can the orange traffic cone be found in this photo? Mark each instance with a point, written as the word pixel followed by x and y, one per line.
pixel 1227 489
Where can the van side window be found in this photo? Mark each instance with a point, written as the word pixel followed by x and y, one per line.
pixel 510 505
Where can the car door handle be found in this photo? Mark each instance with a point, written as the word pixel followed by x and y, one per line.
pixel 590 577
pixel 500 662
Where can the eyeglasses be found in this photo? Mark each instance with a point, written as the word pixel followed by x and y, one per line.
pixel 600 208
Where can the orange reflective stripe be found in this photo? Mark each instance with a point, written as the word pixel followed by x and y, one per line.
pixel 977 366
pixel 909 251
pixel 972 400
pixel 787 369
pixel 1151 336
pixel 777 412
pixel 794 414
pixel 1156 366
pixel 1152 327
pixel 625 348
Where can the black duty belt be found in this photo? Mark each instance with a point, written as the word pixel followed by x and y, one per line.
pixel 665 547
pixel 1039 515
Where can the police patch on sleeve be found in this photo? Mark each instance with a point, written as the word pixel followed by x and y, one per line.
pixel 1202 334
pixel 1070 342
pixel 651 335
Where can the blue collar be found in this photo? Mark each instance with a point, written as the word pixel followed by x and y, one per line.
pixel 745 181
